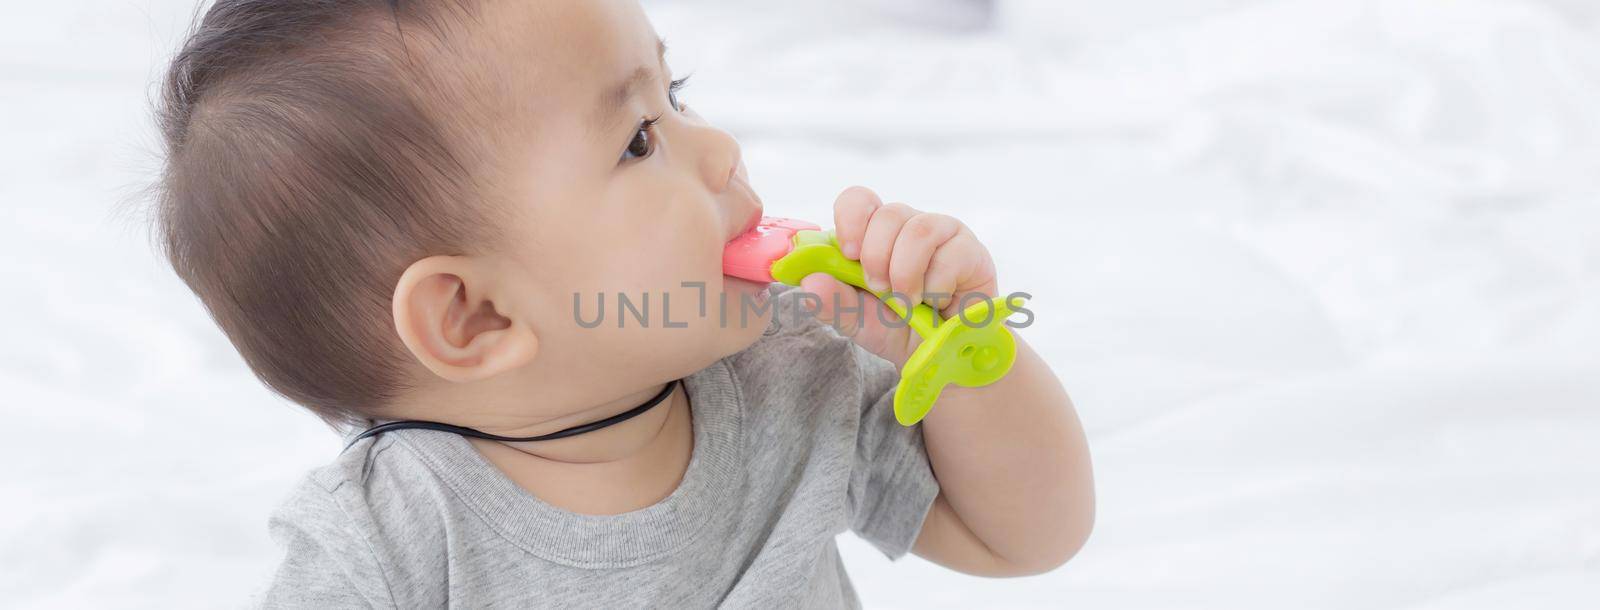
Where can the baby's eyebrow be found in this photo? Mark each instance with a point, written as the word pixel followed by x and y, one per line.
pixel 612 100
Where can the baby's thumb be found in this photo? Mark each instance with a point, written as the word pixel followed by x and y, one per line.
pixel 858 315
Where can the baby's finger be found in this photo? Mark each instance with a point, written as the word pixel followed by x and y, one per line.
pixel 831 295
pixel 943 274
pixel 921 236
pixel 961 266
pixel 878 244
pixel 851 209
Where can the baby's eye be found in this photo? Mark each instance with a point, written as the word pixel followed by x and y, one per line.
pixel 642 143
pixel 672 92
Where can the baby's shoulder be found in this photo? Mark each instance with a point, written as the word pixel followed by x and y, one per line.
pixel 371 486
pixel 358 524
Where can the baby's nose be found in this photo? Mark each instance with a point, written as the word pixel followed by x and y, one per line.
pixel 722 161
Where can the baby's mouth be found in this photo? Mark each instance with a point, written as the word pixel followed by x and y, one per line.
pixel 752 254
pixel 749 225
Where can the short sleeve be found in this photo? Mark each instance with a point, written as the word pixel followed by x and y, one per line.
pixel 326 563
pixel 892 486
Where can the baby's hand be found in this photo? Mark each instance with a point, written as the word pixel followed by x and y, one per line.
pixel 925 257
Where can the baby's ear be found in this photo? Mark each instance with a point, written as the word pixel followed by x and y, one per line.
pixel 444 311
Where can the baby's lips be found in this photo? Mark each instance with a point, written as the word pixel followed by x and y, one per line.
pixel 750 256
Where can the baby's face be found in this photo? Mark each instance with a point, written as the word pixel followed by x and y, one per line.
pixel 604 205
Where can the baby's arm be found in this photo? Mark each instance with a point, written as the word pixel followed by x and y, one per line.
pixel 1017 490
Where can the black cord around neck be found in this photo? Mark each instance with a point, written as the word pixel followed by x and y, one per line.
pixel 465 431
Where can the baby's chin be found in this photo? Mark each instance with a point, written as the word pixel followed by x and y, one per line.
pixel 743 288
pixel 745 305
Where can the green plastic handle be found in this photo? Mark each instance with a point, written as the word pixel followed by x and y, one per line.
pixel 975 351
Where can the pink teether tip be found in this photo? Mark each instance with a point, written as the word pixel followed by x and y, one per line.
pixel 750 256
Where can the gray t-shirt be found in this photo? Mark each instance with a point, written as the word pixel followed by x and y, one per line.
pixel 795 442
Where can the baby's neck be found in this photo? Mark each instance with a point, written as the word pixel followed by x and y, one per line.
pixel 520 408
pixel 620 468
pixel 619 441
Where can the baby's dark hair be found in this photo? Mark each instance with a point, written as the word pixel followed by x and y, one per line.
pixel 314 149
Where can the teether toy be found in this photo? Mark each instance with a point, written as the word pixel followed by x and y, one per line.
pixel 973 351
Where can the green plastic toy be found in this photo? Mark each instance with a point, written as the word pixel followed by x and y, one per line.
pixel 973 351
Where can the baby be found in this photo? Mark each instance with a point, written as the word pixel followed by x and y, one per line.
pixel 415 212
